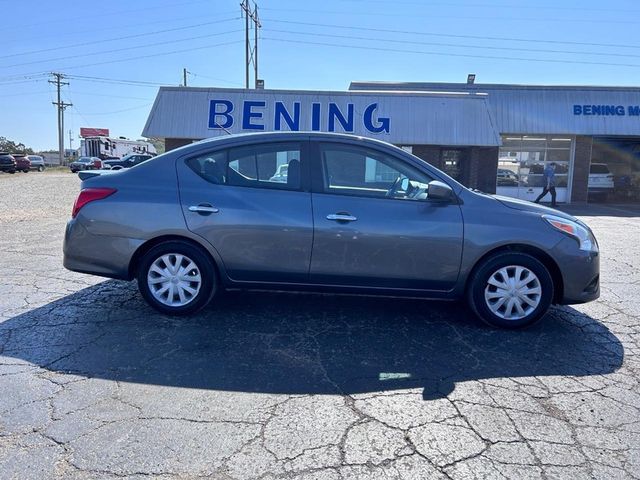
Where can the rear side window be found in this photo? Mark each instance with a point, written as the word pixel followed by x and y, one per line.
pixel 262 166
pixel 598 168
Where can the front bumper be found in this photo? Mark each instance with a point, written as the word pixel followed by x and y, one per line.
pixel 580 272
pixel 102 255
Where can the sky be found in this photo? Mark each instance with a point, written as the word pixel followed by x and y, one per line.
pixel 116 54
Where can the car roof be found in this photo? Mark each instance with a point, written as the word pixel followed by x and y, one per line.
pixel 271 136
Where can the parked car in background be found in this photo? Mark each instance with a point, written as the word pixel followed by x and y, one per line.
pixel 600 180
pixel 23 164
pixel 281 174
pixel 7 163
pixel 85 163
pixel 353 215
pixel 127 161
pixel 37 162
pixel 507 178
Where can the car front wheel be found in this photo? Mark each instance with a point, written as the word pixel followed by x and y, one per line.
pixel 177 278
pixel 511 290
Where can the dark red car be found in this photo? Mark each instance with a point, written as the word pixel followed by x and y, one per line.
pixel 23 164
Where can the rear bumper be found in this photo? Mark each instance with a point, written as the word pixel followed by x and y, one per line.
pixel 580 272
pixel 102 255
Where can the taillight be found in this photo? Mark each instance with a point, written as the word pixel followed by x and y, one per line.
pixel 90 195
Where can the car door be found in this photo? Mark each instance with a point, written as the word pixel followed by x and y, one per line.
pixel 375 225
pixel 261 226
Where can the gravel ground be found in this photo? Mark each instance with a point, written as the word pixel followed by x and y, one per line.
pixel 93 384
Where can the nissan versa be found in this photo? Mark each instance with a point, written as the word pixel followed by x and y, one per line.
pixel 346 214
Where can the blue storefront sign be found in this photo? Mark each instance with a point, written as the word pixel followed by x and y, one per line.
pixel 607 110
pixel 249 115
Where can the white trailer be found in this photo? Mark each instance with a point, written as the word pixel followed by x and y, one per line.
pixel 109 147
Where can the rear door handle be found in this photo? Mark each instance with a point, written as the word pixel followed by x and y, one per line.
pixel 203 208
pixel 341 217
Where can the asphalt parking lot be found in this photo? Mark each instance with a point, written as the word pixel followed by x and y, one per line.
pixel 94 384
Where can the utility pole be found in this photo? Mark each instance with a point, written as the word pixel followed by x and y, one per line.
pixel 61 107
pixel 70 139
pixel 250 52
pixel 184 77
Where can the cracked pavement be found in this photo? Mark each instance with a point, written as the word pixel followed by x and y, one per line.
pixel 94 384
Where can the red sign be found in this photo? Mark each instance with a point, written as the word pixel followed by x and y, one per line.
pixel 94 132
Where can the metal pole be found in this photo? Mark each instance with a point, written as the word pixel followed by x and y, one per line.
pixel 60 120
pixel 255 44
pixel 184 76
pixel 61 106
pixel 62 133
pixel 246 41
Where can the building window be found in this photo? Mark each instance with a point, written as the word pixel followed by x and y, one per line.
pixel 523 158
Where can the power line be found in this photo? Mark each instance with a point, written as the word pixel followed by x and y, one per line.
pixel 450 35
pixel 414 14
pixel 481 47
pixel 161 54
pixel 117 111
pixel 115 50
pixel 493 5
pixel 126 37
pixel 216 79
pixel 94 94
pixel 105 13
pixel 491 57
pixel 141 83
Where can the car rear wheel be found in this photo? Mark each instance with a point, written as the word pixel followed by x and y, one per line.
pixel 511 290
pixel 177 278
pixel 41 168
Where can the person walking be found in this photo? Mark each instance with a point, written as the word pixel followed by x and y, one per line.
pixel 549 178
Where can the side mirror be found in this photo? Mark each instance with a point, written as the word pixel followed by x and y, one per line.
pixel 437 190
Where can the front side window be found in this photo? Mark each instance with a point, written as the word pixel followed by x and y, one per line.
pixel 363 172
pixel 263 166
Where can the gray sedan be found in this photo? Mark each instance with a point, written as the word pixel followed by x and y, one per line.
pixel 324 212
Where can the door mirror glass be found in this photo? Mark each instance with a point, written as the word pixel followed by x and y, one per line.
pixel 405 184
pixel 438 190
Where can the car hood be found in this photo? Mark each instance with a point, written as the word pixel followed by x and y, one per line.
pixel 526 206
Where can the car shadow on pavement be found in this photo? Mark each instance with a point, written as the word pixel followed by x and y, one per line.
pixel 299 343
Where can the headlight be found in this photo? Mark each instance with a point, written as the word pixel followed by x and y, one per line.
pixel 583 235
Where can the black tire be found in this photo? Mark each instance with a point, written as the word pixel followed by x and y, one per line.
pixel 12 172
pixel 209 279
pixel 478 282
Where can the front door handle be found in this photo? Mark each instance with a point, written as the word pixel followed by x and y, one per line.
pixel 341 217
pixel 203 208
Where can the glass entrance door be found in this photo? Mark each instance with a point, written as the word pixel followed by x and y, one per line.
pixel 522 161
